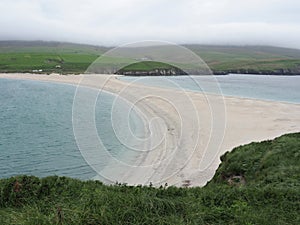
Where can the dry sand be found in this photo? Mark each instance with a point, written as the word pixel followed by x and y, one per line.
pixel 187 131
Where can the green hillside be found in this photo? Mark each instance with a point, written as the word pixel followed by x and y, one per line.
pixel 258 183
pixel 50 57
pixel 55 57
pixel 249 59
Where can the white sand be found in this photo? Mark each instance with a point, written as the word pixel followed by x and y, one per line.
pixel 188 131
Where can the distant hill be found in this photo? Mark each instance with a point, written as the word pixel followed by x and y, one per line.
pixel 60 57
pixel 249 59
pixel 49 47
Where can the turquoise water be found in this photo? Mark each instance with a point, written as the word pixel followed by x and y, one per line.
pixel 274 88
pixel 36 133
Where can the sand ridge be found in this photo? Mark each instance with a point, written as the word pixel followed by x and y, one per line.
pixel 185 139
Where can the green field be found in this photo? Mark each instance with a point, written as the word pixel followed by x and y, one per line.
pixel 247 59
pixel 50 57
pixel 53 57
pixel 48 62
pixel 258 183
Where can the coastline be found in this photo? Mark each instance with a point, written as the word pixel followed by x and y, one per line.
pixel 131 79
pixel 270 73
pixel 247 120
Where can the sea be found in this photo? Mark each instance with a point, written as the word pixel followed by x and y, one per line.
pixel 263 87
pixel 36 131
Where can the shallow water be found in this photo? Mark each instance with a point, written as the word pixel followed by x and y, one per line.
pixel 265 87
pixel 36 133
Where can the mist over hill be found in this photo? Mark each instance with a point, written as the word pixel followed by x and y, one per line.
pixel 63 57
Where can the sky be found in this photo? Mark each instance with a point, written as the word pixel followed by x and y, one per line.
pixel 116 22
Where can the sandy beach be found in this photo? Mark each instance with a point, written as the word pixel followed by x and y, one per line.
pixel 187 132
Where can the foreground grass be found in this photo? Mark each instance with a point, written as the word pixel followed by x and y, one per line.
pixel 257 183
pixel 65 58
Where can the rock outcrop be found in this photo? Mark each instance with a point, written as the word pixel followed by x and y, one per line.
pixel 154 72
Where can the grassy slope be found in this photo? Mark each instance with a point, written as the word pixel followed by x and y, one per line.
pixel 266 192
pixel 28 56
pixel 151 68
pixel 75 58
pixel 255 58
pixel 147 66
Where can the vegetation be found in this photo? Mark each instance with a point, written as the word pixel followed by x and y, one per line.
pixel 249 59
pixel 53 57
pixel 150 68
pixel 47 62
pixel 258 183
pixel 147 66
pixel 50 57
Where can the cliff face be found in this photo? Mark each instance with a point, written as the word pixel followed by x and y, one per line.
pixel 154 72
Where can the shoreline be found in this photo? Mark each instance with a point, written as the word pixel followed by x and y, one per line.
pixel 215 94
pixel 247 120
pixel 213 74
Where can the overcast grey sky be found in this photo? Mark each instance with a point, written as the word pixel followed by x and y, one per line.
pixel 114 22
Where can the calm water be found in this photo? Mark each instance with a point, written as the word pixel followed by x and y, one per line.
pixel 36 133
pixel 275 88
